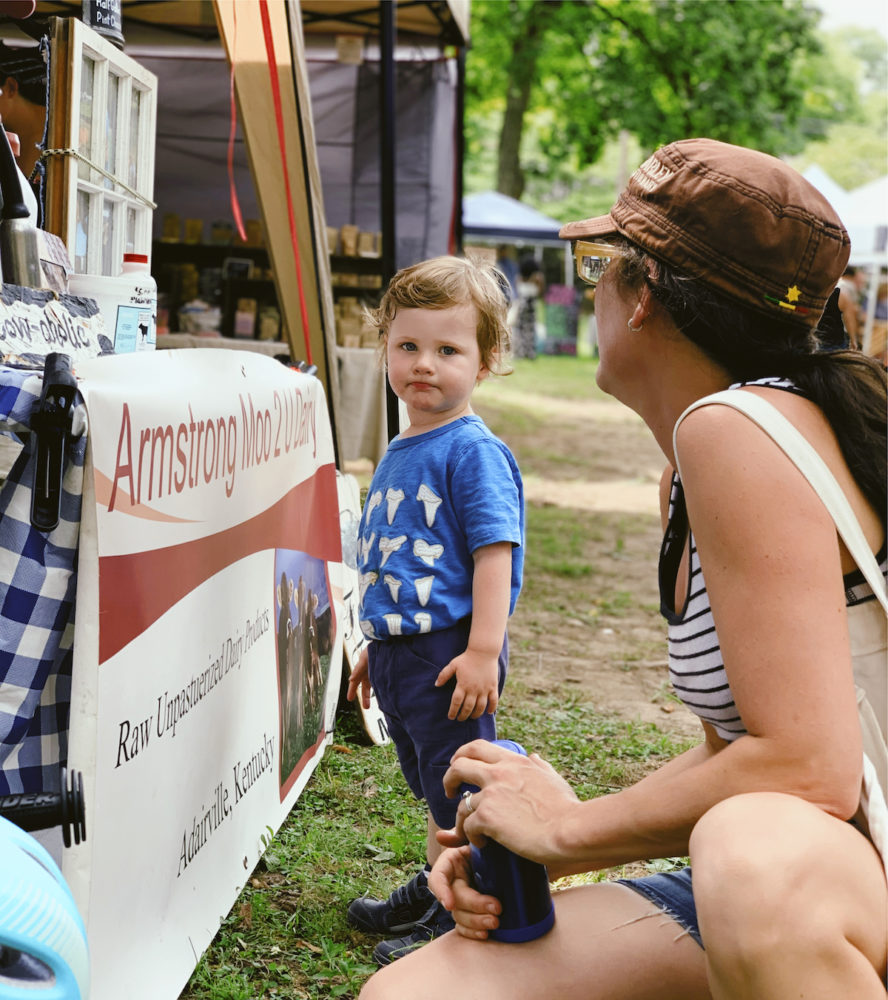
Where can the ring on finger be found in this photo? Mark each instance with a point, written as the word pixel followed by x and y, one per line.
pixel 467 798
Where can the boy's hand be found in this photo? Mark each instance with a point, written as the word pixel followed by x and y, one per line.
pixel 360 676
pixel 476 691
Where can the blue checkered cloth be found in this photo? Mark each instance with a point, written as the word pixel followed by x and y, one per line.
pixel 38 582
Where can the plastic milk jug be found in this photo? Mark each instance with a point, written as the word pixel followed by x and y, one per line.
pixel 127 302
pixel 521 886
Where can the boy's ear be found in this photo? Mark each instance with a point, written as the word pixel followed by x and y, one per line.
pixel 483 372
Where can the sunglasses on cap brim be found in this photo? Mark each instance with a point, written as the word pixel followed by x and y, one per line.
pixel 592 260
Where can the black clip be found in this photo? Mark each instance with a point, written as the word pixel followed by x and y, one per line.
pixel 51 422
pixel 43 810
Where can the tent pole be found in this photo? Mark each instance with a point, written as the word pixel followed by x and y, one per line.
pixel 387 170
pixel 459 148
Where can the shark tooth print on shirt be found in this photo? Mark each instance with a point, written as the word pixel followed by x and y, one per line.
pixel 367 629
pixel 393 623
pixel 424 620
pixel 428 553
pixel 424 589
pixel 365 545
pixel 431 501
pixel 393 584
pixel 393 498
pixel 389 545
pixel 372 504
pixel 367 580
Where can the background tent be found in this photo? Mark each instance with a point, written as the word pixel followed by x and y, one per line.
pixel 492 217
pixel 193 122
pixel 864 212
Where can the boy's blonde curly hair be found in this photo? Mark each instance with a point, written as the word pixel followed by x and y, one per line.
pixel 448 281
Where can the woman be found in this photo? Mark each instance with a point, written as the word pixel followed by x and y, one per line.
pixel 712 270
pixel 531 286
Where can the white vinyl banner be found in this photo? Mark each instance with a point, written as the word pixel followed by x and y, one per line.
pixel 207 653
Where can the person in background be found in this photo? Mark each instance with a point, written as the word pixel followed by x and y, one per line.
pixel 711 273
pixel 23 106
pixel 506 262
pixel 440 557
pixel 531 285
pixel 850 291
pixel 878 344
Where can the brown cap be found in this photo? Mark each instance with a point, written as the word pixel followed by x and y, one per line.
pixel 740 221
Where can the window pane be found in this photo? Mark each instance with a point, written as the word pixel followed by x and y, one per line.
pixel 109 265
pixel 81 239
pixel 87 83
pixel 130 246
pixel 111 118
pixel 132 167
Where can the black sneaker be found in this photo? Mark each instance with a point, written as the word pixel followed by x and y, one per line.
pixel 397 914
pixel 434 923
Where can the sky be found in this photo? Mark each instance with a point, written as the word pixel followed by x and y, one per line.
pixel 871 14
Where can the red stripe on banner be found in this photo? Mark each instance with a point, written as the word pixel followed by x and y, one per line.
pixel 279 120
pixel 136 589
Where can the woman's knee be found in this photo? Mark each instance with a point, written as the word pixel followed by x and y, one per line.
pixel 756 833
pixel 764 853
pixel 750 854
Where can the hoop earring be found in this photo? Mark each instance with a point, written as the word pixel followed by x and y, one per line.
pixel 635 329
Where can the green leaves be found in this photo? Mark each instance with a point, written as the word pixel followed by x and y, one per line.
pixel 565 78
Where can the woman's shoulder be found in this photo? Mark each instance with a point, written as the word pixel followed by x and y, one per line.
pixel 721 451
pixel 717 425
pixel 717 435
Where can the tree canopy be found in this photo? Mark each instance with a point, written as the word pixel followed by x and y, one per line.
pixel 584 71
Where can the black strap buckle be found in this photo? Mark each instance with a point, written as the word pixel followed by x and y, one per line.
pixel 51 422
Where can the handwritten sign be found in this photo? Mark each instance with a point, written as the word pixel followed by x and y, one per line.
pixel 35 322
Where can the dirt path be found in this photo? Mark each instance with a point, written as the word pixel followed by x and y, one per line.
pixel 600 636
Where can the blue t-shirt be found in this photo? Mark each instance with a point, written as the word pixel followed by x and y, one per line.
pixel 434 499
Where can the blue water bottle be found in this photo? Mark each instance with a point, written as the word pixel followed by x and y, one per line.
pixel 521 886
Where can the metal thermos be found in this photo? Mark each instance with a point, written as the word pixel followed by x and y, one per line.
pixel 19 249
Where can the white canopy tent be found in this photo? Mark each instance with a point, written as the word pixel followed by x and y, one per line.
pixel 864 212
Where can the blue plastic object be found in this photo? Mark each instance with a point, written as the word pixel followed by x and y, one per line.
pixel 43 949
pixel 521 886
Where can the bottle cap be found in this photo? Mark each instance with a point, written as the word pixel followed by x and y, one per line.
pixel 135 258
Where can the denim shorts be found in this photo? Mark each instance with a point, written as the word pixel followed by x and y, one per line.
pixel 673 893
pixel 402 673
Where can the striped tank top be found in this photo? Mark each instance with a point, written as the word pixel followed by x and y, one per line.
pixel 696 668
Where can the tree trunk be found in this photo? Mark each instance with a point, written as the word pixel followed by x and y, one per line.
pixel 530 29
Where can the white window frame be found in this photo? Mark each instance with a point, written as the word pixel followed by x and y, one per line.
pixel 71 167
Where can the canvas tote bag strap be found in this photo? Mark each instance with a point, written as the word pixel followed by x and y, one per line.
pixel 812 467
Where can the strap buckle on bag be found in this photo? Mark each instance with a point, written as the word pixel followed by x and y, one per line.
pixel 51 422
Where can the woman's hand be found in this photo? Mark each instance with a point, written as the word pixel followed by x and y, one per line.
pixel 451 881
pixel 522 802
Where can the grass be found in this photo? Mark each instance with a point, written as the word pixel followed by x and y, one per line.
pixel 557 542
pixel 558 377
pixel 357 829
